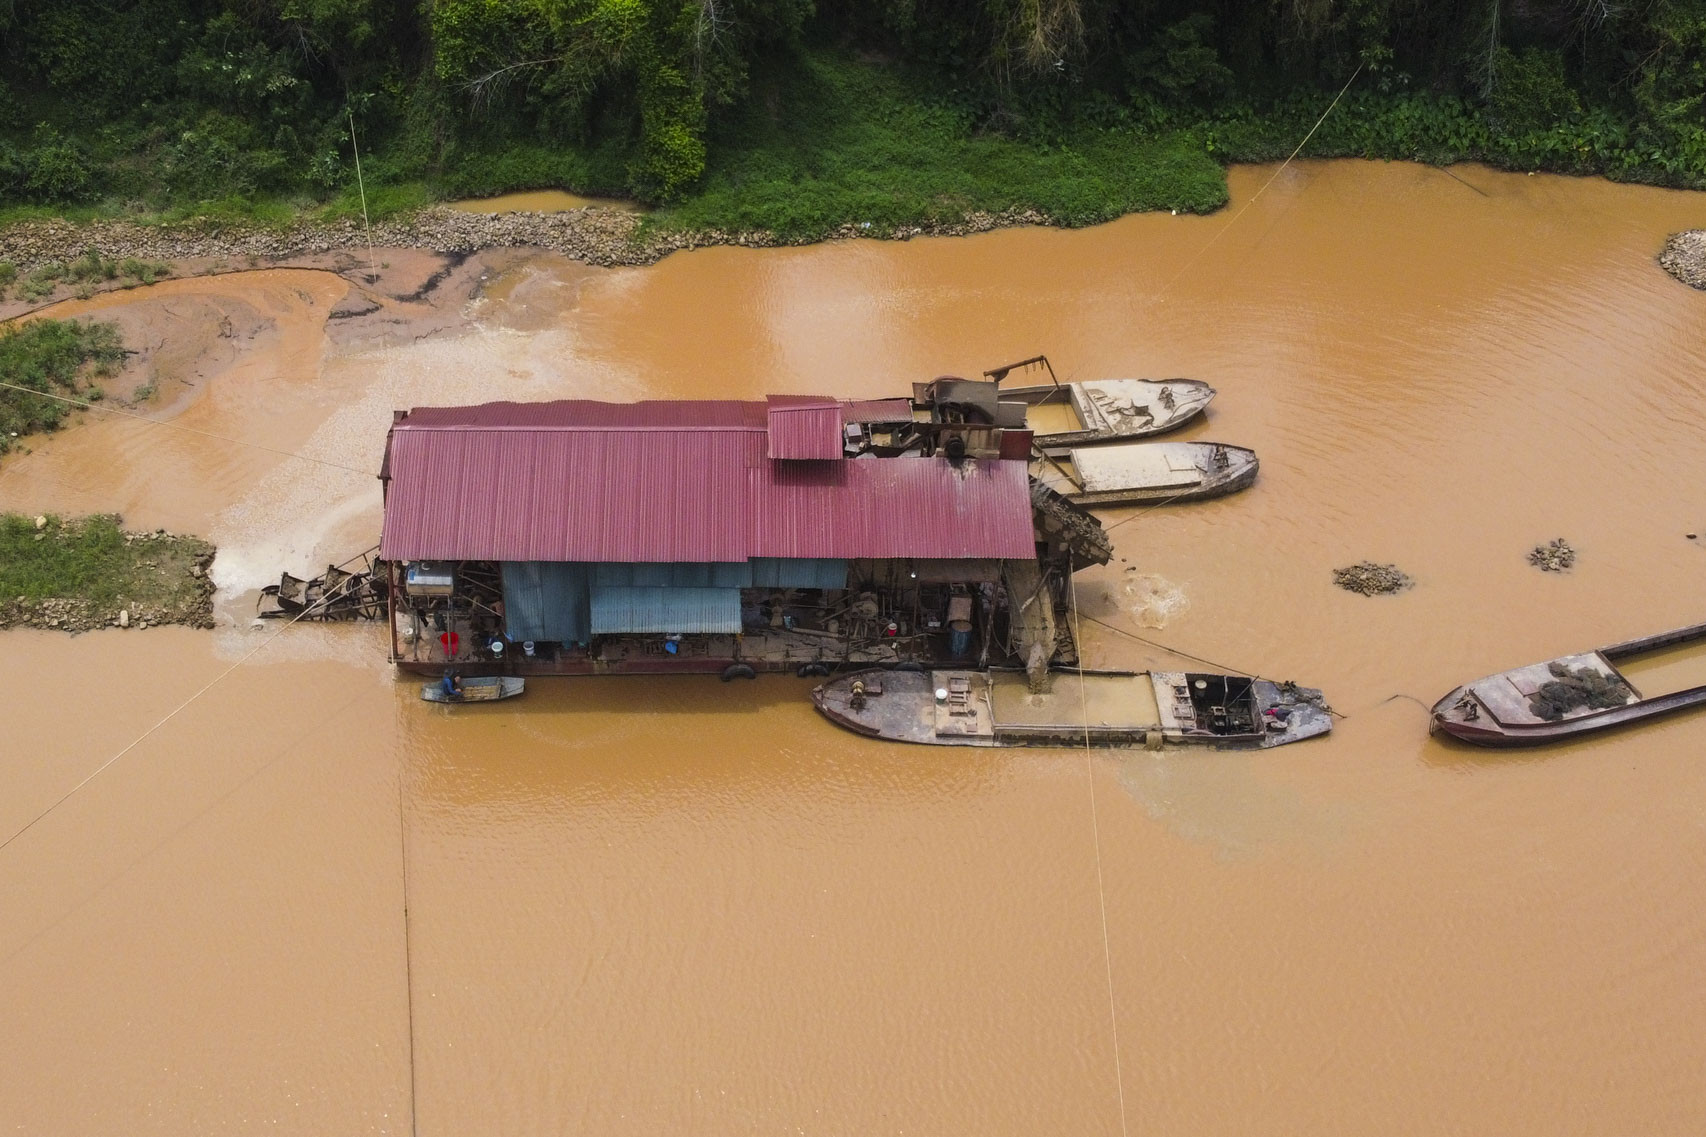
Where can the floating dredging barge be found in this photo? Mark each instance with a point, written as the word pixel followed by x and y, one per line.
pixel 799 534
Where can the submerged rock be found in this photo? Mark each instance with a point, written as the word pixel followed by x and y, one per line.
pixel 1371 579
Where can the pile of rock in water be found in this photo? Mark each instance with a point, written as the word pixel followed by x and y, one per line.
pixel 1684 257
pixel 1371 579
pixel 1569 691
pixel 1554 556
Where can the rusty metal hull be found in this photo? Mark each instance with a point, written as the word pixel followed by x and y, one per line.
pixel 1485 714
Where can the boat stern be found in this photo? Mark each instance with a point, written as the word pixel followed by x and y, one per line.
pixel 1290 713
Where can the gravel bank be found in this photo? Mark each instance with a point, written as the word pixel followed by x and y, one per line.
pixel 594 235
pixel 1684 257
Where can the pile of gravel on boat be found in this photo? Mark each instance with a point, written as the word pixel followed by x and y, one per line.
pixel 1573 690
pixel 1555 556
pixel 1371 579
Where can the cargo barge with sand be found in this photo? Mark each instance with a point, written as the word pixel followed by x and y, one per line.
pixel 1144 709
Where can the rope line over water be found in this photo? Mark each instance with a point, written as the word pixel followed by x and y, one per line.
pixel 88 406
pixel 1221 232
pixel 1096 841
pixel 408 950
pixel 1224 667
pixel 139 739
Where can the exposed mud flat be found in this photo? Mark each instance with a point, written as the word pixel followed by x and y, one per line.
pixel 638 908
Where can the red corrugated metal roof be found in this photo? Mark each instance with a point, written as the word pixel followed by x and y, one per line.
pixel 803 427
pixel 579 481
pixel 585 414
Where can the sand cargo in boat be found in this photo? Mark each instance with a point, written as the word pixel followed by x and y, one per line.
pixel 1563 697
pixel 1123 709
pixel 1134 473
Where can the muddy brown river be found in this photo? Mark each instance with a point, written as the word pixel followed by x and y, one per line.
pixel 644 906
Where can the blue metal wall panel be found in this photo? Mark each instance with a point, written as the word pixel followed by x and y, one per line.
pixel 617 609
pixel 798 572
pixel 546 601
pixel 672 574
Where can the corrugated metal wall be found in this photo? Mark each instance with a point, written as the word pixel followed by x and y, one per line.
pixel 551 601
pixel 546 601
pixel 691 611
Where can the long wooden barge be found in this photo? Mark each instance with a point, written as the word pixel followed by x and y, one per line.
pixel 1564 697
pixel 1103 709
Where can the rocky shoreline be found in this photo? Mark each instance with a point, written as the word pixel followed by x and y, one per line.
pixel 1684 257
pixel 164 581
pixel 594 235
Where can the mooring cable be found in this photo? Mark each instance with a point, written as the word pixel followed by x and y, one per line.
pixel 1221 232
pixel 1096 841
pixel 139 739
pixel 89 406
pixel 408 950
pixel 1224 667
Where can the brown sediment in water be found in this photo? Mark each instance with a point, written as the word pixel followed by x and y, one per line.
pixel 639 907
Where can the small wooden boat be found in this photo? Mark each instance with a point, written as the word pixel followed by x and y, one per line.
pixel 1137 472
pixel 1563 697
pixel 1109 410
pixel 477 689
pixel 1144 709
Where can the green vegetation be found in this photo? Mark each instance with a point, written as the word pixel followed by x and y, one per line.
pixel 859 145
pixel 85 272
pixel 87 558
pixel 97 567
pixel 55 356
pixel 800 116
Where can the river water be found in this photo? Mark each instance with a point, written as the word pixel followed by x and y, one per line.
pixel 639 906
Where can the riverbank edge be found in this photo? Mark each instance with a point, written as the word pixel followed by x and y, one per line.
pixel 1684 257
pixel 594 235
pixel 168 574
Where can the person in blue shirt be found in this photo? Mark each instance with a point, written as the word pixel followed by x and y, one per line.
pixel 452 684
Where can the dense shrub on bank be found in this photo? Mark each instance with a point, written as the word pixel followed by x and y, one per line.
pixel 55 356
pixel 859 145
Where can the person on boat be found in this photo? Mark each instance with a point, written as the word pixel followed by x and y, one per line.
pixel 452 684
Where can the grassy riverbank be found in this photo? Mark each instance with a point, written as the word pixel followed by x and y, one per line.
pixel 858 145
pixel 84 573
pixel 60 357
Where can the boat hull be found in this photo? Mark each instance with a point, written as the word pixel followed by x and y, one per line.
pixel 1140 473
pixel 1095 709
pixel 1497 710
pixel 1518 735
pixel 1115 410
pixel 479 689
